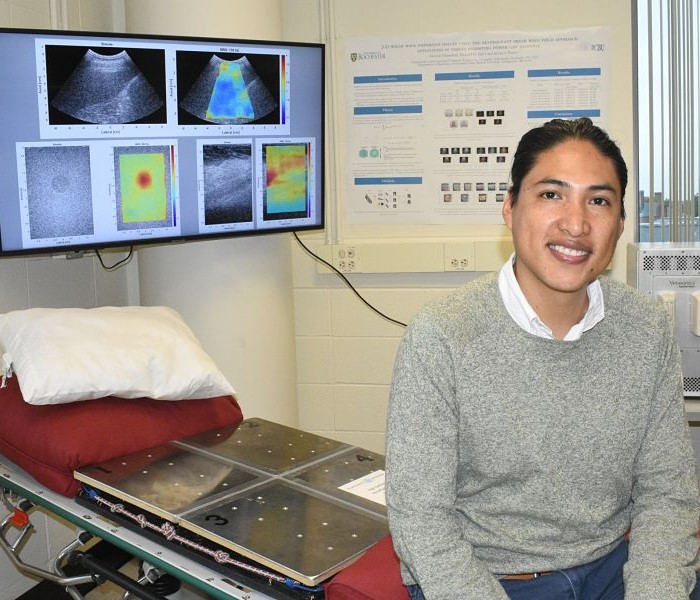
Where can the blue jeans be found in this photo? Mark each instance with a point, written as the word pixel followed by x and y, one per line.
pixel 695 594
pixel 598 580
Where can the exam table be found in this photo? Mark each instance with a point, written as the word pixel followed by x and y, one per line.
pixel 115 419
pixel 263 512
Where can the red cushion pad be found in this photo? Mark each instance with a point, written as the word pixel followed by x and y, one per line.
pixel 50 442
pixel 374 576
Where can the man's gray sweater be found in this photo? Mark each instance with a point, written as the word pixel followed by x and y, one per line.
pixel 509 453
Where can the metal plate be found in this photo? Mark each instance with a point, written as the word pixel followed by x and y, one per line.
pixel 266 491
pixel 329 475
pixel 212 583
pixel 265 445
pixel 166 480
pixel 303 536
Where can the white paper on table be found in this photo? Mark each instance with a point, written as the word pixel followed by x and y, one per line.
pixel 370 487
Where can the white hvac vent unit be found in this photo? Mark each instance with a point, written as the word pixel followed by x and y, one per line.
pixel 670 273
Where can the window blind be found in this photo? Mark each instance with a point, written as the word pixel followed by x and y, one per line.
pixel 668 115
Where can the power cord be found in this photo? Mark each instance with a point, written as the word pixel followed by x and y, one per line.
pixel 306 248
pixel 346 281
pixel 117 264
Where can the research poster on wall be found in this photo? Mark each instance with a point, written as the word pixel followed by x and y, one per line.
pixel 433 121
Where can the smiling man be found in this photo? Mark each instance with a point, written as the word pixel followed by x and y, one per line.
pixel 537 447
pixel 565 228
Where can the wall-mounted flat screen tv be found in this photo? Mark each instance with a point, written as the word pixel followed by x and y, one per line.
pixel 117 140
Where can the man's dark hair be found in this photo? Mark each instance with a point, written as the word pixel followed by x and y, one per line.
pixel 554 132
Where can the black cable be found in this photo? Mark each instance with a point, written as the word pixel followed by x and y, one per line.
pixel 347 282
pixel 117 264
pixel 100 572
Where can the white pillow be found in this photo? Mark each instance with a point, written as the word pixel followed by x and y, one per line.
pixel 63 355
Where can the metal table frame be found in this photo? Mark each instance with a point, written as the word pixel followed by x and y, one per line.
pixel 199 576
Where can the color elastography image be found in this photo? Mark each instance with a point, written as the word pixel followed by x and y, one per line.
pixel 286 180
pixel 225 90
pixel 230 98
pixel 228 183
pixel 59 191
pixel 143 187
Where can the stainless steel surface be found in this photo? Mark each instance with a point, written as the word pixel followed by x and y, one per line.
pixel 166 480
pixel 265 445
pixel 334 472
pixel 289 530
pixel 265 491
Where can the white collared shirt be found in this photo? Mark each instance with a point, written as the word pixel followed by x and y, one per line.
pixel 523 314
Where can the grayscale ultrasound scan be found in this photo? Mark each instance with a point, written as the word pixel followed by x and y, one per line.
pixel 107 89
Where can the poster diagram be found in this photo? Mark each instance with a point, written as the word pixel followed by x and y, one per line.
pixel 432 122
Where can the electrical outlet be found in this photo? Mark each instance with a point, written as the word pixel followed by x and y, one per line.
pixel 347 258
pixel 459 256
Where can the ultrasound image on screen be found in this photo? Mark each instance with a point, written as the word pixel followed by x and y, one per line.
pixel 228 183
pixel 286 194
pixel 228 89
pixel 105 86
pixel 59 193
pixel 143 187
pixel 117 140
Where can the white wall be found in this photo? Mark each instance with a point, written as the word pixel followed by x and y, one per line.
pixel 344 352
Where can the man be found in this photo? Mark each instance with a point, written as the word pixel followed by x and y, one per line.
pixel 536 417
